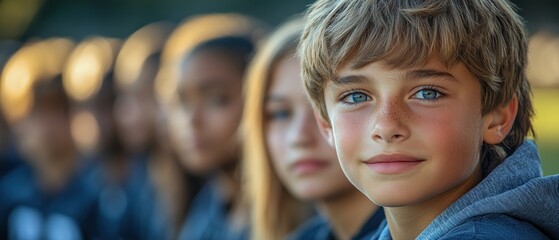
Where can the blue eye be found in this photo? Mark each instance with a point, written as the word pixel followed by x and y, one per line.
pixel 355 97
pixel 428 94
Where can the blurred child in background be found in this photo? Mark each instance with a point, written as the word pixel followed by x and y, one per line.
pixel 205 114
pixel 141 126
pixel 287 162
pixel 53 195
pixel 210 93
pixel 127 205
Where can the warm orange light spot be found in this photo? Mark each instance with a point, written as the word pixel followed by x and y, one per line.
pixel 85 131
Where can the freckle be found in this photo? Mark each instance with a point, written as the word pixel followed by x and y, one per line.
pixel 398 113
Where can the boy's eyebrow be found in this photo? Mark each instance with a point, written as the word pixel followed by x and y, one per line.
pixel 428 73
pixel 412 75
pixel 350 79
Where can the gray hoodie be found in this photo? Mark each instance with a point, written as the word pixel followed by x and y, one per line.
pixel 514 200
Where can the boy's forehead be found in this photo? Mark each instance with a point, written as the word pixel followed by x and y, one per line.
pixel 432 66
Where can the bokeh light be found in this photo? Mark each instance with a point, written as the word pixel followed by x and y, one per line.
pixel 87 66
pixel 38 61
pixel 137 48
pixel 85 130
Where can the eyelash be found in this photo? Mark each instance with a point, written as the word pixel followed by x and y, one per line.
pixel 438 95
pixel 349 93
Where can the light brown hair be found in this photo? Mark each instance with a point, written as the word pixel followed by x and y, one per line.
pixel 275 212
pixel 486 36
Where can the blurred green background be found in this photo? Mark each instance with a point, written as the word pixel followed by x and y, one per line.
pixel 23 20
pixel 546 123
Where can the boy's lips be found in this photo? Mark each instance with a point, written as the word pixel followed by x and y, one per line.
pixel 392 163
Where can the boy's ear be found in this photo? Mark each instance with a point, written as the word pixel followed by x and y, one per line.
pixel 498 122
pixel 325 128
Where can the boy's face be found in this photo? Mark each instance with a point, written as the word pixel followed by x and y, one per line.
pixel 405 136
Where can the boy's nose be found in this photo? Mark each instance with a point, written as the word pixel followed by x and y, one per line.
pixel 390 124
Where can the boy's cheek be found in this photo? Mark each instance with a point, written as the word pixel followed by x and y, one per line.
pixel 348 142
pixel 349 132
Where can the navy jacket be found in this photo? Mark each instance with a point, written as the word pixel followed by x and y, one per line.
pixel 208 217
pixel 317 228
pixel 27 212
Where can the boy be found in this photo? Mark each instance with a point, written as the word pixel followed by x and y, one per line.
pixel 428 107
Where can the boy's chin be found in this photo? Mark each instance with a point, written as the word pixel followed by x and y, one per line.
pixel 390 203
pixel 394 198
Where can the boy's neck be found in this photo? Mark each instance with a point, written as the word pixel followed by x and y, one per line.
pixel 347 212
pixel 409 221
